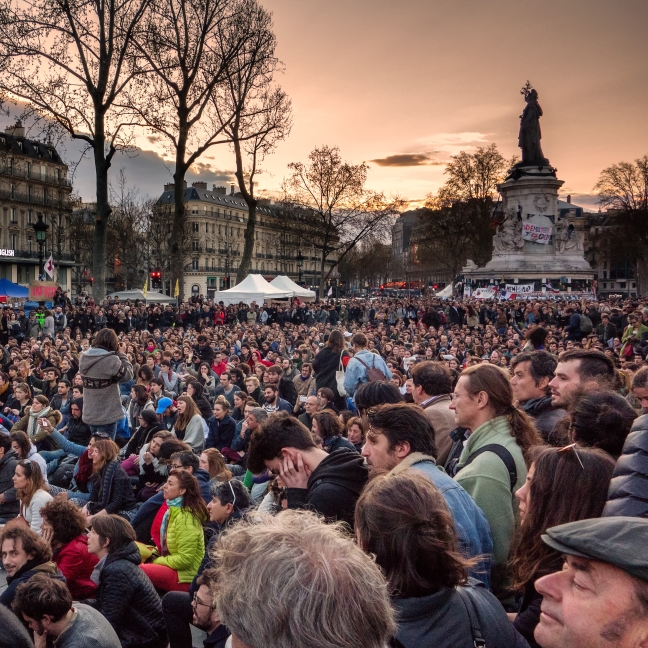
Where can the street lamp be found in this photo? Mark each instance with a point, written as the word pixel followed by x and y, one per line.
pixel 40 228
pixel 300 263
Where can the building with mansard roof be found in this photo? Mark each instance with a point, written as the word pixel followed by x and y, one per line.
pixel 33 181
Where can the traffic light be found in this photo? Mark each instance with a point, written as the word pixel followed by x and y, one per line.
pixel 156 278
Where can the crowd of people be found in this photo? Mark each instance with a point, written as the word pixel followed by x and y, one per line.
pixel 371 473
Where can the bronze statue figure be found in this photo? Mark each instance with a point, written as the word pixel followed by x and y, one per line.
pixel 529 139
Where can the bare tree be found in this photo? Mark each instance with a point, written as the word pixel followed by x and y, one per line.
pixel 624 186
pixel 255 114
pixel 457 223
pixel 189 48
pixel 337 210
pixel 66 59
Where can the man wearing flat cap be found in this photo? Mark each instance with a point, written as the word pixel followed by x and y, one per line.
pixel 600 598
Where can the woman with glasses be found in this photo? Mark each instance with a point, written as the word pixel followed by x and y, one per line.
pixel 125 596
pixel 562 485
pixel 32 491
pixel 178 534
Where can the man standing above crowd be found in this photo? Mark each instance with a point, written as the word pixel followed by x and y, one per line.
pixel 580 370
pixel 531 375
pixel 432 389
pixel 492 464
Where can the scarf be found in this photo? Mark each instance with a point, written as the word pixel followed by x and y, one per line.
pixel 95 576
pixel 33 420
pixel 177 502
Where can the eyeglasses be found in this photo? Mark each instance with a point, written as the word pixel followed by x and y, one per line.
pixel 176 466
pixel 197 601
pixel 572 446
pixel 233 493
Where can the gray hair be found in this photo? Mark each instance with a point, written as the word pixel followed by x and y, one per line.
pixel 292 580
pixel 259 414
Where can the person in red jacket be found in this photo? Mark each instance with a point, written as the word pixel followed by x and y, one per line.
pixel 64 528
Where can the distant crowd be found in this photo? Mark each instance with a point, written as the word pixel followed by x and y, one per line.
pixel 366 472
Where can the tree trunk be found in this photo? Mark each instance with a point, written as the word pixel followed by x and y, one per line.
pixel 248 248
pixel 178 226
pixel 322 285
pixel 103 212
pixel 251 201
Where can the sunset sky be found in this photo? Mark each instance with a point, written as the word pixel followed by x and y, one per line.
pixel 405 85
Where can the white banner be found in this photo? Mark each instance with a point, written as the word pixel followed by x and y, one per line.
pixel 535 233
pixel 519 289
pixel 484 293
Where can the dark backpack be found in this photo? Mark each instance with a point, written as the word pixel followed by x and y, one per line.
pixel 373 374
pixel 586 325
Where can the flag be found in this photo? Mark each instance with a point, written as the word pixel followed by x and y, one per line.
pixel 49 267
pixel 86 273
pixel 330 292
pixel 176 292
pixel 145 289
pixel 550 288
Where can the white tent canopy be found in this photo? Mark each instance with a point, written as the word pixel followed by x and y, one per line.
pixel 254 288
pixel 446 292
pixel 151 297
pixel 286 283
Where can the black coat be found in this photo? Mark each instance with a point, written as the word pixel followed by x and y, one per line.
pixel 221 432
pixel 127 598
pixel 628 494
pixel 325 364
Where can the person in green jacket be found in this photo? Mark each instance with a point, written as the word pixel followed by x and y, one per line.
pixel 632 333
pixel 483 403
pixel 181 541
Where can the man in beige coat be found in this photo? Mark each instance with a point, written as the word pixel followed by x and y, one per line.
pixel 432 388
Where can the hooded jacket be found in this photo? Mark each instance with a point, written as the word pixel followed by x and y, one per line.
pixel 628 493
pixel 544 415
pixel 127 598
pixel 333 487
pixel 102 371
pixel 473 531
pixel 441 620
pixel 10 507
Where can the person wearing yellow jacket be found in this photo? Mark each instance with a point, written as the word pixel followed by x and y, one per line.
pixel 179 537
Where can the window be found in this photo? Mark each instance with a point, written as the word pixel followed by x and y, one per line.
pixel 13 241
pixel 195 227
pixel 195 290
pixel 194 265
pixel 195 246
pixel 29 245
pixel 30 216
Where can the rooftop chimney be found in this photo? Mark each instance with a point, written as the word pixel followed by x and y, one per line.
pixel 220 190
pixel 569 199
pixel 199 185
pixel 17 130
pixel 169 186
pixel 232 189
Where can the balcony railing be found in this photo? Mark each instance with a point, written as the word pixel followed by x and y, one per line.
pixel 33 175
pixel 33 254
pixel 34 199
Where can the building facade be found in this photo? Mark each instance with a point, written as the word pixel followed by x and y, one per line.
pixel 33 182
pixel 214 241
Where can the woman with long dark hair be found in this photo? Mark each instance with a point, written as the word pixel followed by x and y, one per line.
pixel 178 534
pixel 31 491
pixel 331 358
pixel 188 426
pixel 403 521
pixel 563 485
pixel 111 490
pixel 140 401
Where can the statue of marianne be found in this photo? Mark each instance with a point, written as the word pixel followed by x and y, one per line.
pixel 529 139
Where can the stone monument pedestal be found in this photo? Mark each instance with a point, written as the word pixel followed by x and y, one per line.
pixel 534 242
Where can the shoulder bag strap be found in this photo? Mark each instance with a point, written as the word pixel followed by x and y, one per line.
pixel 503 454
pixel 475 627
